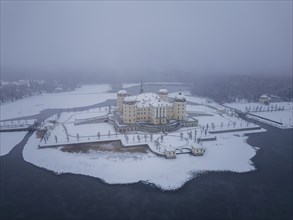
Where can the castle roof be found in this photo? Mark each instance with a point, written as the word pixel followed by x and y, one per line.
pixel 145 100
pixel 159 103
pixel 122 92
pixel 180 97
pixel 163 91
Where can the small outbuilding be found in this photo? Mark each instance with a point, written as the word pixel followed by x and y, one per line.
pixel 265 99
pixel 197 151
pixel 170 154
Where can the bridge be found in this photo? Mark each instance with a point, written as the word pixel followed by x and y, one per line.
pixel 20 125
pixel 91 120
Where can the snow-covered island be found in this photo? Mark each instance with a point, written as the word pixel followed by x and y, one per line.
pixel 88 143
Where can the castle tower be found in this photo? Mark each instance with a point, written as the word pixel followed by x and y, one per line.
pixel 163 93
pixel 179 107
pixel 129 110
pixel 120 97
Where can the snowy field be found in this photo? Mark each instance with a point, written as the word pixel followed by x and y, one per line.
pixel 89 132
pixel 280 112
pixel 228 153
pixel 84 96
pixel 9 139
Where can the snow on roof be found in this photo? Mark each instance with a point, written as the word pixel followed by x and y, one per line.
pixel 180 97
pixel 265 96
pixel 163 91
pixel 130 99
pixel 158 103
pixel 122 92
pixel 145 99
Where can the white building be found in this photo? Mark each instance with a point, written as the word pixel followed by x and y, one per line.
pixel 265 99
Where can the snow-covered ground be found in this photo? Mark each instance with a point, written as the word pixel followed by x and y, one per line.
pixel 280 112
pixel 229 153
pixel 86 89
pixel 242 106
pixel 89 132
pixel 8 140
pixel 84 96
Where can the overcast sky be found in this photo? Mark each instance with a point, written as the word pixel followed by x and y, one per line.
pixel 144 38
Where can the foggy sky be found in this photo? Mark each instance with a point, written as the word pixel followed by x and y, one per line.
pixel 110 39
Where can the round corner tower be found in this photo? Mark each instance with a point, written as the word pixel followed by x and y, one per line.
pixel 179 107
pixel 163 93
pixel 120 97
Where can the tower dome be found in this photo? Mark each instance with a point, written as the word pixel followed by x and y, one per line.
pixel 122 93
pixel 163 91
pixel 180 97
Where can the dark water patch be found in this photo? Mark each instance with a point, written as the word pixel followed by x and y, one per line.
pixel 108 146
pixel 31 192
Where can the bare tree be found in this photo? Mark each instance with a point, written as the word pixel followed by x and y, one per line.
pixel 127 138
pixel 189 134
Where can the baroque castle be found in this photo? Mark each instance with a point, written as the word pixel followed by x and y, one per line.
pixel 155 108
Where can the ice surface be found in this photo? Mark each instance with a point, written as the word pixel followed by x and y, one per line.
pixel 84 96
pixel 8 140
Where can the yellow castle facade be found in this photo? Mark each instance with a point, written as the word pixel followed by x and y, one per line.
pixel 155 108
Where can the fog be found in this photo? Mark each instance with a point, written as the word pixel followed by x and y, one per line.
pixel 144 40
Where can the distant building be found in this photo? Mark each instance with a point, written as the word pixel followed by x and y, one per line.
pixel 197 151
pixel 170 154
pixel 265 99
pixel 152 107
